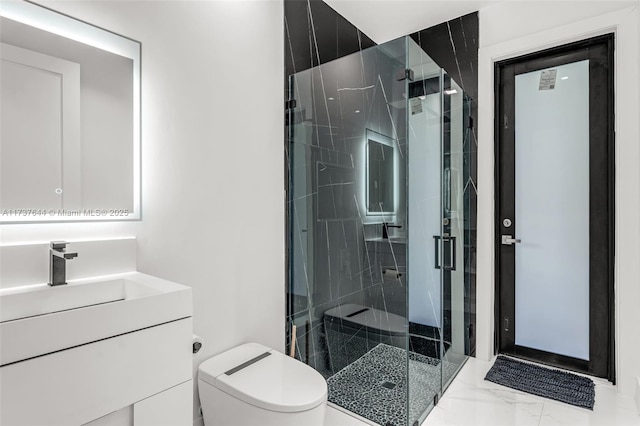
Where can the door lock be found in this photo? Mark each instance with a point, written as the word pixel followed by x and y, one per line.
pixel 508 240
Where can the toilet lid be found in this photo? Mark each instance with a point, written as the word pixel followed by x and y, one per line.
pixel 265 378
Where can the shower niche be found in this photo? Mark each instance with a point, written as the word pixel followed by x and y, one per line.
pixel 378 293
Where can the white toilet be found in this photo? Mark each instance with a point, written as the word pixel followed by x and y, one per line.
pixel 253 385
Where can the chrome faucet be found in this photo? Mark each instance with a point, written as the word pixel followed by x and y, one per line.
pixel 58 256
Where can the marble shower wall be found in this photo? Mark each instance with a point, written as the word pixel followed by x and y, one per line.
pixel 316 34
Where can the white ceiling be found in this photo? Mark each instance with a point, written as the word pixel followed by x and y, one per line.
pixel 385 20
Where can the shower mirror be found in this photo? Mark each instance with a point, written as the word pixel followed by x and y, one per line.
pixel 69 120
pixel 380 154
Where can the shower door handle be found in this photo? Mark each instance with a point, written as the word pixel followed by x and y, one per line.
pixel 453 252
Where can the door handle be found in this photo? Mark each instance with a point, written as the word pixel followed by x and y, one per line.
pixel 508 240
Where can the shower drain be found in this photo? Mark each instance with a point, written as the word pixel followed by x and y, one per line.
pixel 388 385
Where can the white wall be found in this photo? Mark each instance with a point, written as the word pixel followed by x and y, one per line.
pixel 212 160
pixel 513 29
pixel 512 19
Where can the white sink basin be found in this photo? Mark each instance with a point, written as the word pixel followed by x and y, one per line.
pixel 85 311
pixel 43 299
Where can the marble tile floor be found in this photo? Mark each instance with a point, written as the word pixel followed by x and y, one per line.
pixel 471 400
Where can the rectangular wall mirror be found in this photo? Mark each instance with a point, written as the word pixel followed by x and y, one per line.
pixel 69 119
pixel 381 170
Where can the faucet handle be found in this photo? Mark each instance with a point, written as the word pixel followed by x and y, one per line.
pixel 58 245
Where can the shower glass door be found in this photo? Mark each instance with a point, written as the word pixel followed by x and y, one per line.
pixel 456 303
pixel 425 260
pixel 438 285
pixel 376 295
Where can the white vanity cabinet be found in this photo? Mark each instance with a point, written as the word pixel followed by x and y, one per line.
pixel 149 369
pixel 123 362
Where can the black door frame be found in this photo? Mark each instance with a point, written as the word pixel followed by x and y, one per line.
pixel 602 359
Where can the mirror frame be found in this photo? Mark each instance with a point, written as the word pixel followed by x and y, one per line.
pixel 372 136
pixel 66 26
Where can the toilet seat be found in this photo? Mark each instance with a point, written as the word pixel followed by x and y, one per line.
pixel 265 378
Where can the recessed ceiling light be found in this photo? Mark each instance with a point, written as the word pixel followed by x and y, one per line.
pixel 357 111
pixel 564 78
pixel 450 92
pixel 330 98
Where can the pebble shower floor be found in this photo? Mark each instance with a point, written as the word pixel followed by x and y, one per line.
pixel 375 385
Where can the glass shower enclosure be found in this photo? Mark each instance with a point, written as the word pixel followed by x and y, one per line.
pixel 378 284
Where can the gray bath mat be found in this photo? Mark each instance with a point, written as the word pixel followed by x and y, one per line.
pixel 553 384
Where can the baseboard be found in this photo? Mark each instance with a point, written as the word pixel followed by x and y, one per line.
pixel 638 394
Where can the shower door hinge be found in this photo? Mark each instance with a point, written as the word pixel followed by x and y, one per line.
pixel 406 74
pixel 506 323
pixel 506 121
pixel 290 104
